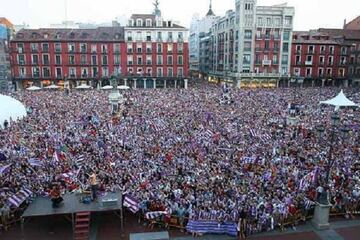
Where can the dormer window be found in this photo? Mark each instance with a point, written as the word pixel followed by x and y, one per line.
pixel 58 36
pixel 130 23
pixel 46 35
pixel 139 22
pixel 72 35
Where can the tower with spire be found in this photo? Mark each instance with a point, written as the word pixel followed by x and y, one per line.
pixel 210 12
pixel 157 11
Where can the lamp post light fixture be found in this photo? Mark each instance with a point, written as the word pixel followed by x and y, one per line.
pixel 322 208
pixel 114 96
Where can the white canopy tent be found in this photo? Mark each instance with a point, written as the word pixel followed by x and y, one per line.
pixel 107 87
pixel 52 87
pixel 33 88
pixel 123 87
pixel 340 101
pixel 10 108
pixel 84 87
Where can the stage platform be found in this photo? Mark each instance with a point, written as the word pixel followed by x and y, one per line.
pixel 150 236
pixel 42 206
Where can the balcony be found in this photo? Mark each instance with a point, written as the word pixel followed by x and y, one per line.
pixel 148 50
pixel 148 62
pixel 45 50
pixel 298 63
pixel 72 76
pixel 258 49
pixel 311 52
pixel 71 62
pixel 34 50
pixel 342 63
pixel 308 63
pixel 59 76
pixel 83 63
pixel 130 50
pixel 321 63
pixel 83 50
pixel 130 63
pixel 21 62
pixel 276 49
pixel 247 49
pixel 57 50
pixel 275 62
pixel 266 62
pixel 46 63
pixel 322 52
pixel 117 51
pixel 257 62
pixel 84 76
pixel 20 50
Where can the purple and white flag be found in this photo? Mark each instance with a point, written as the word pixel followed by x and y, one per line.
pixel 131 203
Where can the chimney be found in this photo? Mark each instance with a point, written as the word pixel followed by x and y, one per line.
pixel 344 24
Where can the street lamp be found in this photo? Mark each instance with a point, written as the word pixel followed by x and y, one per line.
pixel 335 130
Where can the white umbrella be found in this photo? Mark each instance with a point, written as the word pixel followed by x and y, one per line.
pixel 340 101
pixel 52 87
pixel 107 87
pixel 83 86
pixel 10 108
pixel 123 87
pixel 33 88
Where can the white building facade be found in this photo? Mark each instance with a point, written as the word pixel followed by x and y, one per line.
pixel 252 45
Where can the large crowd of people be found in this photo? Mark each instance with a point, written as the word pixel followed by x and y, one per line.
pixel 187 152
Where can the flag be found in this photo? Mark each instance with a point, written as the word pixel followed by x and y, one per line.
pixel 34 162
pixel 18 198
pixel 80 161
pixel 131 203
pixel 4 169
pixel 55 157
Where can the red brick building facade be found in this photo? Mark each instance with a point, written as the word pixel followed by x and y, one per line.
pixel 319 59
pixel 148 53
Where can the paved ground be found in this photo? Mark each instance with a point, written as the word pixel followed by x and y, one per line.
pixel 107 227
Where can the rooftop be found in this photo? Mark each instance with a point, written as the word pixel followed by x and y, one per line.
pixel 53 34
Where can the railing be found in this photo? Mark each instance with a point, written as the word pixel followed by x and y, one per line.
pixel 308 62
pixel 266 62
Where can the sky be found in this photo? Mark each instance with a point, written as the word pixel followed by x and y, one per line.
pixel 309 14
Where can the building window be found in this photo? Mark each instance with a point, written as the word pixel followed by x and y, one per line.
pixel 159 36
pixel 22 72
pixel 45 47
pixel 331 49
pixel 71 59
pixel 170 36
pixel 148 48
pixel 20 48
pixel 169 60
pixel 286 36
pixel 329 71
pixel 21 59
pixel 148 36
pixel 129 36
pixel 83 59
pixel 45 59
pixel 248 34
pixel 148 60
pixel 83 47
pixel 330 60
pixel 105 72
pixel 170 72
pixel 116 48
pixel 84 72
pixel 72 72
pixel 34 59
pixel 139 22
pixel 159 72
pixel 247 58
pixel 139 60
pixel 298 48
pixel 71 48
pixel 139 47
pixel 36 72
pixel 159 60
pixel 159 48
pixel 130 60
pixel 58 59
pixel 180 60
pixel 95 72
pixel 148 22
pixel 93 48
pixel 130 71
pixel 288 20
pixel 180 72
pixel 321 60
pixel 308 72
pixel 104 60
pixel 138 36
pixel 34 47
pixel 57 47
pixel 129 47
pixel 104 48
pixel 320 72
pixel 58 72
pixel 180 37
pixel 94 60
pixel 285 47
pixel 117 59
pixel 285 59
pixel 268 21
pixel 169 48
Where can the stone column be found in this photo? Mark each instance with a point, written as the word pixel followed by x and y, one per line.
pixel 312 83
pixel 321 216
pixel 238 85
pixel 175 83
pixel 135 80
pixel 323 83
pixel 333 82
pixel 186 83
pixel 346 83
pixel 277 83
pixel 125 81
pixel 154 83
pixel 145 84
pixel 289 81
pixel 164 83
pixel 41 84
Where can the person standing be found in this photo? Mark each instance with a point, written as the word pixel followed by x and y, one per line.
pixel 93 185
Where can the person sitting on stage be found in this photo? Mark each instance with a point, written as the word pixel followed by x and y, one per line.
pixel 55 195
